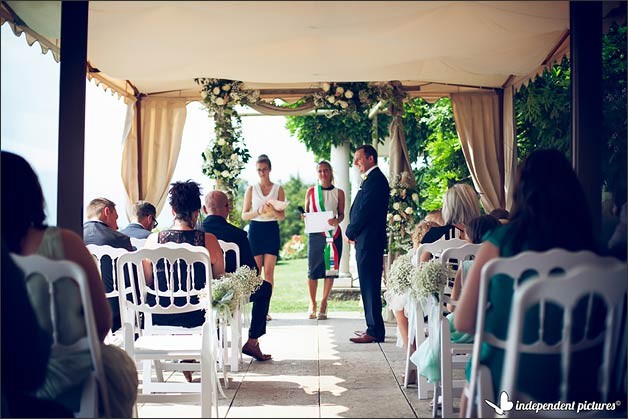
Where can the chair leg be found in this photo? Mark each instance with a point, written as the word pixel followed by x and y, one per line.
pixel 437 395
pixel 159 371
pixel 146 377
pixel 446 374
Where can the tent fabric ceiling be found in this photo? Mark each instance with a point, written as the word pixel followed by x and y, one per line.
pixel 162 46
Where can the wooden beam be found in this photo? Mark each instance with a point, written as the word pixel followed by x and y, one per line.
pixel 71 158
pixel 586 93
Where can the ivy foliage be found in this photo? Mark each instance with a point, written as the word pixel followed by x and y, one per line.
pixel 433 144
pixel 543 112
pixel 319 132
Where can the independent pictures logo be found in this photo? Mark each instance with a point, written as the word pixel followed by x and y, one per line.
pixel 506 405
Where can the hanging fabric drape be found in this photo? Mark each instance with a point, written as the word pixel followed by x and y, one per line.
pixel 510 147
pixel 270 109
pixel 478 123
pixel 399 156
pixel 161 132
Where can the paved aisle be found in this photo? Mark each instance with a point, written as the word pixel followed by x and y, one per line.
pixel 315 373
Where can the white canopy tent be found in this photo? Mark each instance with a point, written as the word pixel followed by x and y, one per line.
pixel 149 52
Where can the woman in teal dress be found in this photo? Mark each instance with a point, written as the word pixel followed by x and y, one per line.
pixel 550 211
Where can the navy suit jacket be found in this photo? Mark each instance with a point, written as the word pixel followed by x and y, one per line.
pixel 219 227
pixel 99 233
pixel 135 230
pixel 367 225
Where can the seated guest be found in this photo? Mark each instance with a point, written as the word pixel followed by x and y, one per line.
pixel 501 214
pixel 435 216
pixel 101 229
pixel 143 222
pixel 543 218
pixel 217 209
pixel 460 205
pixel 25 232
pixel 25 350
pixel 186 204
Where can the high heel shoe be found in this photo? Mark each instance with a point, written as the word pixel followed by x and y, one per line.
pixel 311 315
pixel 322 315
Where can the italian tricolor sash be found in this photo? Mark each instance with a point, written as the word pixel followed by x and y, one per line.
pixel 331 252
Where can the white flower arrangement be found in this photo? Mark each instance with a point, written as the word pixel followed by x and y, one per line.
pixel 225 157
pixel 402 214
pixel 399 280
pixel 428 279
pixel 231 289
pixel 341 98
pixel 221 93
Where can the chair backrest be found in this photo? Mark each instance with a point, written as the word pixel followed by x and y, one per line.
pixel 174 280
pixel 138 243
pixel 452 258
pixel 99 252
pixel 549 264
pixel 436 248
pixel 54 272
pixel 606 282
pixel 227 247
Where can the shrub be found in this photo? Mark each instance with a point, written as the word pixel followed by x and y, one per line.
pixel 295 248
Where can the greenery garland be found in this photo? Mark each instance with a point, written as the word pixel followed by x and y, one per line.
pixel 225 156
pixel 402 214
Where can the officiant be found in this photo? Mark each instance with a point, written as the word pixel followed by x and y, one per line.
pixel 324 247
pixel 260 207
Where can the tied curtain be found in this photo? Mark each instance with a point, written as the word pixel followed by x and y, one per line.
pixel 399 156
pixel 477 117
pixel 161 132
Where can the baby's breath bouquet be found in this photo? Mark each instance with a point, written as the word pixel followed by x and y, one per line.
pixel 231 289
pixel 399 280
pixel 245 281
pixel 428 279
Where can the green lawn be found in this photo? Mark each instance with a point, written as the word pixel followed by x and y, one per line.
pixel 290 293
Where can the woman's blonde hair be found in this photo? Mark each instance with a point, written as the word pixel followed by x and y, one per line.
pixel 420 230
pixel 331 169
pixel 460 204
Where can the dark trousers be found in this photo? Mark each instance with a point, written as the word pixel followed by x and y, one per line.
pixel 370 267
pixel 261 304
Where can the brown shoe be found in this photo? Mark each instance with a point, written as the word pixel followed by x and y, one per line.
pixel 255 352
pixel 364 339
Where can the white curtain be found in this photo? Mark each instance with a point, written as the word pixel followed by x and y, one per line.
pixel 510 146
pixel 161 132
pixel 478 123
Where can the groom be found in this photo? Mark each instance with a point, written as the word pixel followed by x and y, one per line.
pixel 367 230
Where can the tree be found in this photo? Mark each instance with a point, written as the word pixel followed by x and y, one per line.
pixel 295 191
pixel 433 141
pixel 543 112
pixel 320 132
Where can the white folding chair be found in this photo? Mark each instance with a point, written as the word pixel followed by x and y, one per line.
pixel 138 243
pixel 172 343
pixel 235 355
pixel 416 323
pixel 108 256
pixel 549 264
pixel 452 355
pixel 94 398
pixel 604 283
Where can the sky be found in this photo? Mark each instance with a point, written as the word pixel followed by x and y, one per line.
pixel 29 127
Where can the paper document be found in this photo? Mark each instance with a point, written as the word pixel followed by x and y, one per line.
pixel 316 222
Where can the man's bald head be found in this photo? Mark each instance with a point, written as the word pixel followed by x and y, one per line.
pixel 216 203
